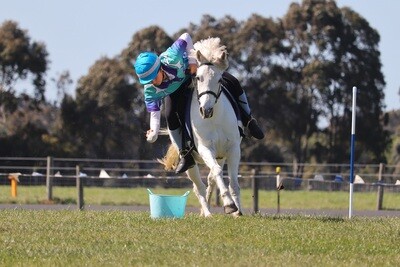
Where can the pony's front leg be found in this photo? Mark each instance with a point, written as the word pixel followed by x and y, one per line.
pixel 199 189
pixel 216 171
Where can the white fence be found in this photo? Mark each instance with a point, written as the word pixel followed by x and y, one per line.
pixel 81 172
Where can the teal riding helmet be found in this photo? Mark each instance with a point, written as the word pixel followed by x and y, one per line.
pixel 146 66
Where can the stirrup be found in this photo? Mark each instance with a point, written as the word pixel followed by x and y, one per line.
pixel 186 161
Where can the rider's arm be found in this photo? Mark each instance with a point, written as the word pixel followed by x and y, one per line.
pixel 154 107
pixel 191 59
pixel 152 133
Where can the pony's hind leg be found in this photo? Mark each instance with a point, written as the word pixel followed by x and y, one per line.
pixel 234 188
pixel 199 189
pixel 210 187
pixel 211 182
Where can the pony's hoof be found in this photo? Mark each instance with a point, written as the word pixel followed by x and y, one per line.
pixel 230 208
pixel 206 214
pixel 237 214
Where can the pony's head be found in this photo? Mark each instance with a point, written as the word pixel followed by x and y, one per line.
pixel 212 59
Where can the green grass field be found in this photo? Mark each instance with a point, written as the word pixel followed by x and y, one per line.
pixel 139 196
pixel 117 238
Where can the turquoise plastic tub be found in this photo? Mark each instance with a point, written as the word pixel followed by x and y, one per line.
pixel 167 206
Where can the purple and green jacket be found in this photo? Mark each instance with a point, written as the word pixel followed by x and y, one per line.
pixel 174 61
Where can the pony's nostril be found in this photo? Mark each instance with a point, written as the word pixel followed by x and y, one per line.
pixel 208 113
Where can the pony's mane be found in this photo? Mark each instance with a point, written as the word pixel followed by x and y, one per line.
pixel 212 50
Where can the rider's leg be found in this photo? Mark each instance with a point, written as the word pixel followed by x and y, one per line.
pixel 186 160
pixel 248 120
pixel 175 133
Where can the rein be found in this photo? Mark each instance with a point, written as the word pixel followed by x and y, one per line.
pixel 216 95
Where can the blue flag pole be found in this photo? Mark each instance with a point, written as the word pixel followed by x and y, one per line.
pixel 353 139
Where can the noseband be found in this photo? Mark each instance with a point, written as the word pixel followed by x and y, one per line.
pixel 216 95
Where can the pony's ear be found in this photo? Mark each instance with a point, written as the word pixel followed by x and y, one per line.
pixel 199 56
pixel 223 60
pixel 224 56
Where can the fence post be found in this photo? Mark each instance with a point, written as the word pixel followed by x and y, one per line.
pixel 380 186
pixel 79 187
pixel 49 178
pixel 254 186
pixel 13 177
pixel 278 189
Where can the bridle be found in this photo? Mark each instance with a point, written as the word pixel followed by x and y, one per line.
pixel 216 95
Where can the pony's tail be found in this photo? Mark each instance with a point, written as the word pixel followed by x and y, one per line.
pixel 170 159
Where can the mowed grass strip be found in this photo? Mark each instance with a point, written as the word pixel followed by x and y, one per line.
pixel 117 238
pixel 139 196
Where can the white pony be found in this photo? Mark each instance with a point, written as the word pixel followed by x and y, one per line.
pixel 214 129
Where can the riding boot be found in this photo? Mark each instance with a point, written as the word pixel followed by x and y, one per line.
pixel 186 160
pixel 248 120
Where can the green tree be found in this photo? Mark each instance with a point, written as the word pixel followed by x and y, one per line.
pixel 62 82
pixel 298 72
pixel 24 122
pixel 257 47
pixel 30 129
pixel 99 122
pixel 19 57
pixel 333 50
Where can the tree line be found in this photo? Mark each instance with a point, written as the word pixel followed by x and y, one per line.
pixel 298 72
